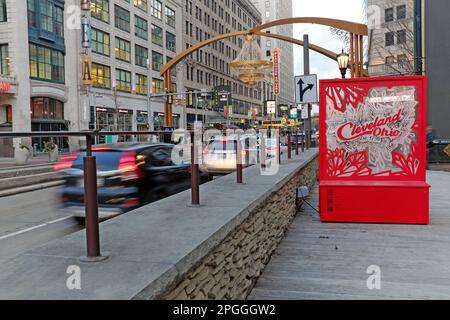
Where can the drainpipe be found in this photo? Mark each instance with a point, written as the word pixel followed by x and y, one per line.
pixel 418 36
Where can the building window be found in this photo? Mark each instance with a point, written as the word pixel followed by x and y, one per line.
pixel 157 61
pixel 4 59
pixel 401 12
pixel 123 50
pixel 390 60
pixel 123 80
pixel 157 35
pixel 100 10
pixel 100 42
pixel 3 16
pixel 141 4
pixel 141 84
pixel 122 18
pixel 101 76
pixel 141 55
pixel 46 13
pixel 389 39
pixel 157 86
pixel 140 28
pixel 156 9
pixel 59 22
pixel 46 64
pixel 47 108
pixel 171 42
pixel 170 17
pixel 389 15
pixel 31 14
pixel 402 60
pixel 401 37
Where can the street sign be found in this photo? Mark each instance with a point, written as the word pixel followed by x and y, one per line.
pixel 305 112
pixel 306 89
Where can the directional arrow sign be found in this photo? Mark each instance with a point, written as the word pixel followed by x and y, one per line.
pixel 306 89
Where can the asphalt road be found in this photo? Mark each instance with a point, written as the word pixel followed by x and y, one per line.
pixel 31 219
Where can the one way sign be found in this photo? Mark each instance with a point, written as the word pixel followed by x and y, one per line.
pixel 306 89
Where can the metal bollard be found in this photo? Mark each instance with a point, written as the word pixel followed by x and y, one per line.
pixel 278 143
pixel 303 143
pixel 296 143
pixel 262 151
pixel 91 206
pixel 195 189
pixel 238 149
pixel 289 144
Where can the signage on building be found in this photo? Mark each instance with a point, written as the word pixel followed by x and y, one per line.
pixel 276 56
pixel 271 107
pixel 5 87
pixel 140 118
pixel 85 33
pixel 86 70
pixel 222 97
pixel 293 113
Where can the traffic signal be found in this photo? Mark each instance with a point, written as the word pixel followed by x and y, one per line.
pixel 147 126
pixel 175 100
pixel 183 101
pixel 169 99
pixel 190 98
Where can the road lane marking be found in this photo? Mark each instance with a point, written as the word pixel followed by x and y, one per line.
pixel 33 228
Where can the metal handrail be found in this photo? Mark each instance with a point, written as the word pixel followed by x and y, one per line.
pixel 90 174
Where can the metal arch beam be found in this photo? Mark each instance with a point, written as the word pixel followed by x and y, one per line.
pixel 330 54
pixel 197 46
pixel 352 27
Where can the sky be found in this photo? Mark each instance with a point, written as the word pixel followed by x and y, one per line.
pixel 325 68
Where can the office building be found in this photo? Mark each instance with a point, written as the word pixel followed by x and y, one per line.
pixel 209 67
pixel 391 37
pixel 275 10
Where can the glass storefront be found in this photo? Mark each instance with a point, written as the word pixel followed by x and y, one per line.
pixel 47 114
pixel 158 121
pixel 106 121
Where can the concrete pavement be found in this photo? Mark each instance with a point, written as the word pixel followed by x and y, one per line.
pixel 329 261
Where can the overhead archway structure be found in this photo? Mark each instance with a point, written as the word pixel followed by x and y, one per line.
pixel 356 33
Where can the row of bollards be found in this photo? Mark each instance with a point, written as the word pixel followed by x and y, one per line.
pixel 90 185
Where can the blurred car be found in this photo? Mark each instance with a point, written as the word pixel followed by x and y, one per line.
pixel 219 155
pixel 128 176
pixel 271 147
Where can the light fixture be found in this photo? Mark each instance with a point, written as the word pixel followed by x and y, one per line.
pixel 249 65
pixel 342 60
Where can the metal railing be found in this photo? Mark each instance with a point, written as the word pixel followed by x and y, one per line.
pixel 90 172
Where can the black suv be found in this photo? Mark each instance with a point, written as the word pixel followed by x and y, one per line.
pixel 128 176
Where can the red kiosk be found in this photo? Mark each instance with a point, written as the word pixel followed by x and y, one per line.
pixel 372 150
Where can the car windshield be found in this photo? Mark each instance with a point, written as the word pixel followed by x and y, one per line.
pixel 222 145
pixel 107 160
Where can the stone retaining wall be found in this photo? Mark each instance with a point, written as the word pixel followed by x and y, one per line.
pixel 231 270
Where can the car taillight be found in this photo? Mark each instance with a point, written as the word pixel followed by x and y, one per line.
pixel 65 162
pixel 204 151
pixel 128 166
pixel 244 152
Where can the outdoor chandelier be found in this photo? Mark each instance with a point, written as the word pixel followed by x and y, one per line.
pixel 249 65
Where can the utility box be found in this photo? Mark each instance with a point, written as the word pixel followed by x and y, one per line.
pixel 373 150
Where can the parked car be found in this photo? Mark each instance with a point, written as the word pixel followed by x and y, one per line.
pixel 219 155
pixel 128 176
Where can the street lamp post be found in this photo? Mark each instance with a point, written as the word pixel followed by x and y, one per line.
pixel 342 60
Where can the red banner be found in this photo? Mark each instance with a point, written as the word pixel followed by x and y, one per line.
pixel 276 55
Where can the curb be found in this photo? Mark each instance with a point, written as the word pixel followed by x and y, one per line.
pixel 34 187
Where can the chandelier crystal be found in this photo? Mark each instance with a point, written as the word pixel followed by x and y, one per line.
pixel 249 65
